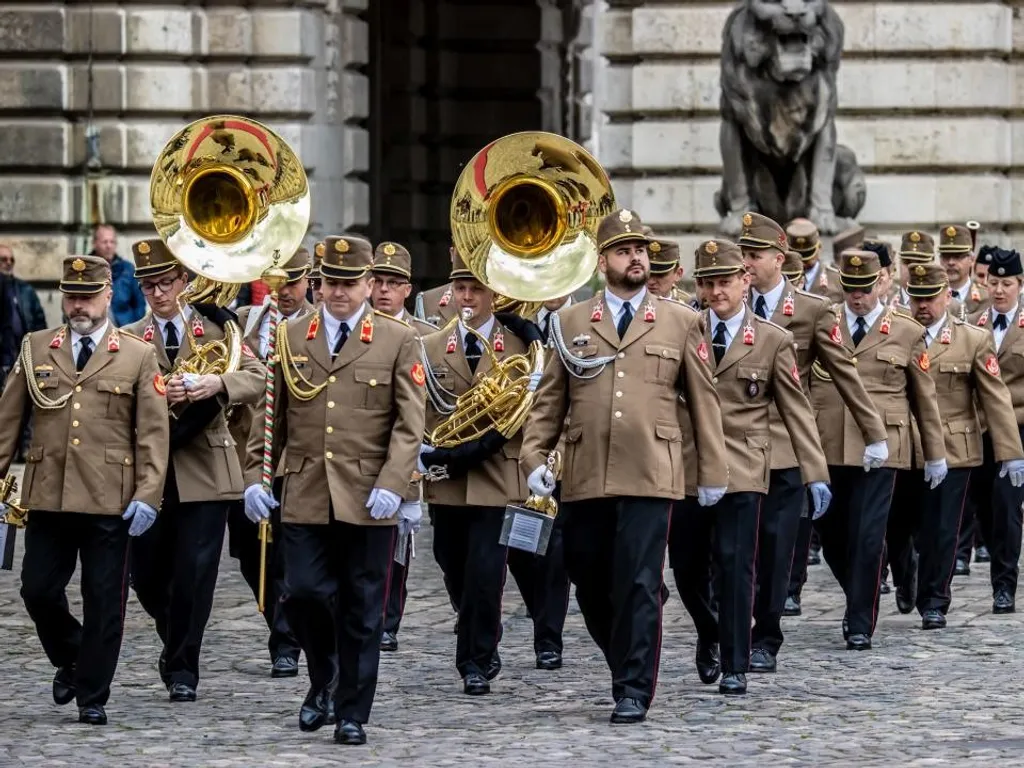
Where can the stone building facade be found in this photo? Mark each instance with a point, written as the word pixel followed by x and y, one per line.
pixel 384 100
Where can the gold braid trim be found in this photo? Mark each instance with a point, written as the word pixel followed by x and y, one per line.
pixel 299 386
pixel 38 398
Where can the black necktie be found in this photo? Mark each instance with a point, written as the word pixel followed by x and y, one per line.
pixel 171 341
pixel 859 331
pixel 956 294
pixel 545 327
pixel 761 308
pixel 473 351
pixel 625 319
pixel 1000 322
pixel 84 353
pixel 342 338
pixel 718 343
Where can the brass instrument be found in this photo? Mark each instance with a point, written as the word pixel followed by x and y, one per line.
pixel 524 218
pixel 974 228
pixel 15 515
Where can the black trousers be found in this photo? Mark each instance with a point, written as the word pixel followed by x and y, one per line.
pixel 970 535
pixel 615 555
pixel 798 568
pixel 544 585
pixel 852 536
pixel 467 550
pixel 722 538
pixel 937 535
pixel 53 543
pixel 336 577
pixel 998 510
pixel 244 546
pixel 398 593
pixel 906 513
pixel 776 540
pixel 174 572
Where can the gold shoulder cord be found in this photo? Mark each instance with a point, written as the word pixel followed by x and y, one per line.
pixel 38 398
pixel 299 386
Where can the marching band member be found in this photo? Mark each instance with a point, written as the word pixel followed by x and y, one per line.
pixel 793 269
pixel 392 273
pixel 348 419
pixel 888 349
pixel 808 318
pixel 437 306
pixel 915 248
pixel 94 475
pixel 666 271
pixel 956 254
pixel 620 363
pixel 243 536
pixel 175 564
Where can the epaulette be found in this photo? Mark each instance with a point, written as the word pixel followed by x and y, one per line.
pixel 131 335
pixel 763 321
pixel 378 313
pixel 815 296
pixel 896 312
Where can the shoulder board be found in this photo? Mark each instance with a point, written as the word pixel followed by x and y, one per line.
pixel 904 316
pixel 392 318
pixel 832 268
pixel 808 295
pixel 131 335
pixel 677 302
pixel 762 321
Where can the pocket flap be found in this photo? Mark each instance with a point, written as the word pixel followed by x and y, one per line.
pixel 114 386
pixel 661 350
pixel 757 441
pixel 292 463
pixel 670 432
pixel 962 427
pixel 372 374
pixel 896 419
pixel 588 351
pixel 958 367
pixel 510 450
pixel 897 357
pixel 573 433
pixel 219 439
pixel 34 455
pixel 751 372
pixel 122 456
pixel 371 465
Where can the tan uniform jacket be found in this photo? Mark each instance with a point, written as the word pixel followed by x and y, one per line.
pixel 421 328
pixel 208 468
pixel 497 480
pixel 976 300
pixel 436 306
pixel 890 367
pixel 750 377
pixel 363 430
pixel 898 300
pixel 965 369
pixel 827 284
pixel 1010 355
pixel 809 318
pixel 624 437
pixel 108 445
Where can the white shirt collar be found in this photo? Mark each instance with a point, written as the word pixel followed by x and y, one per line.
pixel 869 318
pixel 332 325
pixel 732 325
pixel 811 275
pixel 484 330
pixel 401 315
pixel 771 299
pixel 962 291
pixel 935 329
pixel 96 336
pixel 178 321
pixel 616 304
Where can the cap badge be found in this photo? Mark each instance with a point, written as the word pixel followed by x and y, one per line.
pixel 78 265
pixel 915 237
pixel 319 250
pixel 919 270
pixel 389 250
pixel 950 231
pixel 625 216
pixel 747 219
pixel 143 247
pixel 855 261
pixel 801 240
pixel 654 247
pixel 341 246
pixel 711 247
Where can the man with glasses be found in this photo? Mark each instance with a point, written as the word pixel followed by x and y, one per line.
pixel 174 566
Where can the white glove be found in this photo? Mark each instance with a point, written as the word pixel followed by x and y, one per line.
pixel 258 503
pixel 424 448
pixel 3 510
pixel 935 472
pixel 708 497
pixel 541 481
pixel 142 516
pixel 1014 468
pixel 534 381
pixel 875 455
pixel 410 514
pixel 383 503
pixel 821 496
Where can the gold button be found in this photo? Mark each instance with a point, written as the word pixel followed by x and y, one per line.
pixel 619 393
pixel 332 379
pixel 714 379
pixel 621 355
pixel 78 388
pixel 117 390
pixel 853 360
pixel 76 406
pixel 127 460
pixel 330 403
pixel 620 374
pixel 373 382
pixel 329 455
pixel 227 442
pixel 75 441
pixel 74 423
pixel 902 422
pixel 753 376
pixel 618 414
pixel 664 353
pixel 330 430
pixel 892 360
pixel 42 385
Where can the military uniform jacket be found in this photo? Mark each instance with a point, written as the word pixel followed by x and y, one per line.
pixel 976 300
pixel 436 306
pixel 809 318
pixel 421 328
pixel 208 468
pixel 107 445
pixel 497 480
pixel 827 284
pixel 965 368
pixel 1010 356
pixel 624 436
pixel 893 366
pixel 363 430
pixel 757 370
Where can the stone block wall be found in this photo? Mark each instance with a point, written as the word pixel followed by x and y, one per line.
pixel 930 99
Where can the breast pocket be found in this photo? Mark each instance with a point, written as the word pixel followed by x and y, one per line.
pixel 895 366
pixel 118 394
pixel 753 380
pixel 661 363
pixel 669 439
pixel 375 392
pixel 953 375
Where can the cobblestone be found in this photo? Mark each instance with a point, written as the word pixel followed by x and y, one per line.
pixel 926 697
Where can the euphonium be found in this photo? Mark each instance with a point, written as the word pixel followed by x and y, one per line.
pixel 524 218
pixel 230 199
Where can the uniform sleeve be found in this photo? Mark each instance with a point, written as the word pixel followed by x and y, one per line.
pixel 410 406
pixel 838 361
pixel 923 403
pixel 152 442
pixel 253 467
pixel 13 405
pixel 246 385
pixel 796 413
pixel 995 400
pixel 547 417
pixel 705 411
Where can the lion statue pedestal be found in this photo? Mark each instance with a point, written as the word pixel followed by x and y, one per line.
pixel 780 156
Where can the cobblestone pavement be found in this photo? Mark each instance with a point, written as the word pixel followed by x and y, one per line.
pixel 919 698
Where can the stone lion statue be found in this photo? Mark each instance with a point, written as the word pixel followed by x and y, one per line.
pixel 778 134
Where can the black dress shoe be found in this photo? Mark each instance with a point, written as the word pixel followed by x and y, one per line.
pixel 933 619
pixel 858 642
pixel 961 568
pixel 629 711
pixel 981 555
pixel 389 642
pixel 475 684
pixel 1003 602
pixel 904 599
pixel 792 607
pixel 494 668
pixel 313 713
pixel 709 663
pixel 549 660
pixel 665 594
pixel 284 666
pixel 182 692
pixel 762 661
pixel 349 732
pixel 64 685
pixel 92 715
pixel 814 556
pixel 733 684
